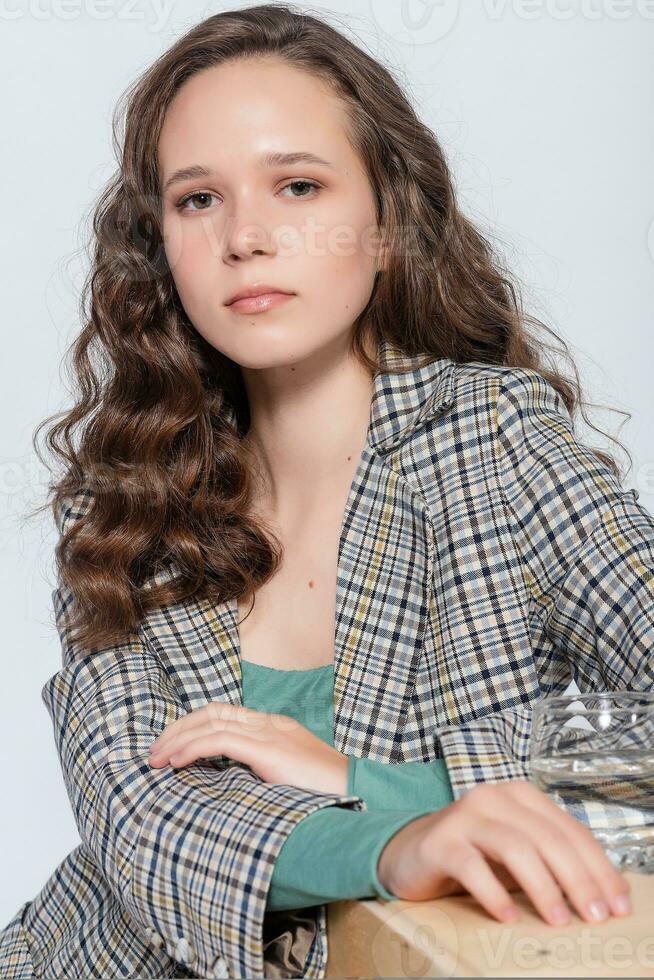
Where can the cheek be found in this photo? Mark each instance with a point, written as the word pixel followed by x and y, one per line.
pixel 197 293
pixel 350 243
pixel 190 251
pixel 344 270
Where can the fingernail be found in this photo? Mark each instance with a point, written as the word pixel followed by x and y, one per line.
pixel 598 910
pixel 621 905
pixel 510 914
pixel 561 913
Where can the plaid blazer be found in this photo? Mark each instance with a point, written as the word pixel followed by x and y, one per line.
pixel 486 558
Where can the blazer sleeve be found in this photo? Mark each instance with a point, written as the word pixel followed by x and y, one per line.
pixel 189 852
pixel 586 547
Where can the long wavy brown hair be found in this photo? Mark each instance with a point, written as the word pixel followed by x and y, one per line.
pixel 156 431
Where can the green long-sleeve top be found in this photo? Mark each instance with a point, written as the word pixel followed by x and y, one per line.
pixel 313 865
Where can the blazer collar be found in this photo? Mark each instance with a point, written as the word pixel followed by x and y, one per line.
pixel 401 402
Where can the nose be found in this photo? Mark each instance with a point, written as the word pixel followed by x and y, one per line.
pixel 246 235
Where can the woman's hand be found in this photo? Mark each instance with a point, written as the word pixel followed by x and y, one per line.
pixel 504 834
pixel 276 747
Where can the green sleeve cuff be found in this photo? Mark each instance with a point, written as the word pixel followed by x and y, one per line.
pixel 399 786
pixel 332 854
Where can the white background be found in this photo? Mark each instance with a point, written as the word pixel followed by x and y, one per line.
pixel 545 114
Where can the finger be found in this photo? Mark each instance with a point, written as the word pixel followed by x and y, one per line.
pixel 569 866
pixel 198 718
pixel 516 850
pixel 467 865
pixel 172 730
pixel 612 885
pixel 176 745
pixel 544 860
pixel 504 875
pixel 228 743
pixel 196 723
pixel 177 742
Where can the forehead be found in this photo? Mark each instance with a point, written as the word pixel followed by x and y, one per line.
pixel 232 113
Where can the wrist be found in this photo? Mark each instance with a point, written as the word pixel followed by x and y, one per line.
pixel 344 773
pixel 384 865
pixel 339 774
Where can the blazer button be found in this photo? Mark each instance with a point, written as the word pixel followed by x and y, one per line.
pixel 156 939
pixel 183 951
pixel 220 969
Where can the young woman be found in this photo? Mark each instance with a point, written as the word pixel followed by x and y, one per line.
pixel 358 490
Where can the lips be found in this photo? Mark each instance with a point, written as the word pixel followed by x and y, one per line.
pixel 259 290
pixel 259 303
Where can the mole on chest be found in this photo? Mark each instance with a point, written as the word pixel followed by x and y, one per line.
pixel 292 623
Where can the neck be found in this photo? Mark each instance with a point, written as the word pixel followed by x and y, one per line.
pixel 309 425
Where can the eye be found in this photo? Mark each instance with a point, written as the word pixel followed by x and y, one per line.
pixel 181 205
pixel 190 197
pixel 305 183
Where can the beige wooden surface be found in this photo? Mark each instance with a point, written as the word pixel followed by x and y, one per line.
pixel 455 937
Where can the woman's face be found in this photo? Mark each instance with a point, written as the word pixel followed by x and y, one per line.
pixel 249 223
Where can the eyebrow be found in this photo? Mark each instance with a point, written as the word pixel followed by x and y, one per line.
pixel 269 160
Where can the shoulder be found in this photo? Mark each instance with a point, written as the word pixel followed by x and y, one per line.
pixel 70 508
pixel 494 417
pixel 506 380
pixel 505 393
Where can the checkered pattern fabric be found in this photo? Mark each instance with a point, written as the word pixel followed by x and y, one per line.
pixel 486 558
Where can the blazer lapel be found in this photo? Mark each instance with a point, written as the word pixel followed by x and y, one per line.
pixel 383 593
pixel 385 565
